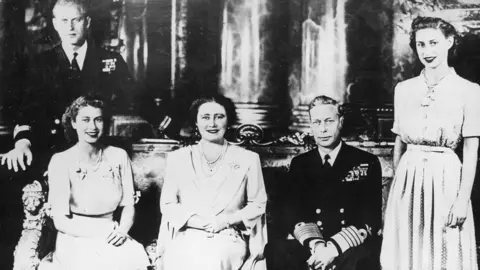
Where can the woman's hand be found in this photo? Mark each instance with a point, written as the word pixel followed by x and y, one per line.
pixel 458 213
pixel 218 223
pixel 117 238
pixel 198 222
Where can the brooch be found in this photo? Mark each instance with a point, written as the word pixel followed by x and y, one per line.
pixel 109 65
pixel 233 166
pixel 356 172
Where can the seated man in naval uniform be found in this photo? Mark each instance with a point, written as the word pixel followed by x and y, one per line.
pixel 334 209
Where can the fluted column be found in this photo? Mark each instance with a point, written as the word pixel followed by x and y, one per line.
pixel 254 54
pixel 323 66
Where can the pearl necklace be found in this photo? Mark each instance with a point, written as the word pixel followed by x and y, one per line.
pixel 220 155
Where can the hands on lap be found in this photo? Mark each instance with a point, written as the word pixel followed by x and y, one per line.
pixel 322 256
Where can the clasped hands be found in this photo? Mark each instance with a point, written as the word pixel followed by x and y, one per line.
pixel 322 256
pixel 213 224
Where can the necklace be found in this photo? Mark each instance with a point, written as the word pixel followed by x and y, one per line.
pixel 430 95
pixel 220 155
pixel 94 167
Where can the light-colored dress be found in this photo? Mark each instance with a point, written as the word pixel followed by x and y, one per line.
pixel 427 180
pixel 92 190
pixel 187 190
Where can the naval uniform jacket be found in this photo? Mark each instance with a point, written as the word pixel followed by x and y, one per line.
pixel 51 86
pixel 342 204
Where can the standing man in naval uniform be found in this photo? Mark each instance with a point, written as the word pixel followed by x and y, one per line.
pixel 56 77
pixel 334 210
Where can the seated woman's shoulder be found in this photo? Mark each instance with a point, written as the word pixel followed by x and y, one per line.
pixel 242 152
pixel 113 151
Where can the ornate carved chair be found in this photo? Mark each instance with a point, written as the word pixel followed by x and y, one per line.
pixel 148 161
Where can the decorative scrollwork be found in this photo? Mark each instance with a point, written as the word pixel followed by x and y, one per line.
pixel 252 134
pixel 26 252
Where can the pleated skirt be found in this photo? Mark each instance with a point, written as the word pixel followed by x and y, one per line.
pixel 415 235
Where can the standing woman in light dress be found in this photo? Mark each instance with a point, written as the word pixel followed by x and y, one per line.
pixel 428 218
pixel 87 183
pixel 213 199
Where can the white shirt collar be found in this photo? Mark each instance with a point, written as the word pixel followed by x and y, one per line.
pixel 82 52
pixel 333 154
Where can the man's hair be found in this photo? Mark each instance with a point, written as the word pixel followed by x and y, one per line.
pixel 325 100
pixel 81 4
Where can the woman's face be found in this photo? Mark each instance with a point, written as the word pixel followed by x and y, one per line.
pixel 432 47
pixel 212 122
pixel 89 124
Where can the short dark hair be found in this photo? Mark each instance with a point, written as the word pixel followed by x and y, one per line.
pixel 71 114
pixel 447 29
pixel 226 103
pixel 83 5
pixel 325 100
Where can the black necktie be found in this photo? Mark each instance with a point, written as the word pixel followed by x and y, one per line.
pixel 75 67
pixel 326 164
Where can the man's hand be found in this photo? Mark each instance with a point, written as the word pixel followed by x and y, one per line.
pixel 322 256
pixel 16 156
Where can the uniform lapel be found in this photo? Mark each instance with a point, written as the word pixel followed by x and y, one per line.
pixel 62 59
pixel 91 65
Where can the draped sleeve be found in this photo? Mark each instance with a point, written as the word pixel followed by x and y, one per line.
pixel 256 194
pixel 170 206
pixel 59 185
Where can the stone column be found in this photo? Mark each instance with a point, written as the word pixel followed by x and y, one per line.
pixel 323 66
pixel 254 54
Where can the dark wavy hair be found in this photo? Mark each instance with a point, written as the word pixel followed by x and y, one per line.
pixel 71 114
pixel 325 100
pixel 226 103
pixel 447 29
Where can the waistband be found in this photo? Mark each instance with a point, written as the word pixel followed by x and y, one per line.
pixel 229 232
pixel 428 148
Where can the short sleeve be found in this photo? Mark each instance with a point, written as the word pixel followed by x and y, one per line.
pixel 396 110
pixel 127 181
pixel 471 117
pixel 59 186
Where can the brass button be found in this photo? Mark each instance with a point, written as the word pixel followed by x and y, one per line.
pixel 318 211
pixel 342 210
pixel 54 131
pixel 57 121
pixel 319 223
pixel 343 222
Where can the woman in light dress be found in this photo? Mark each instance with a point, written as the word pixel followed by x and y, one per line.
pixel 213 199
pixel 87 183
pixel 428 219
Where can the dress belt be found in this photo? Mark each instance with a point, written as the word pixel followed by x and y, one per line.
pixel 428 148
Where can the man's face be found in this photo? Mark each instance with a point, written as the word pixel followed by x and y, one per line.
pixel 326 125
pixel 71 24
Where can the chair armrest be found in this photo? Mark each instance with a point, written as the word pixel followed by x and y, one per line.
pixel 26 254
